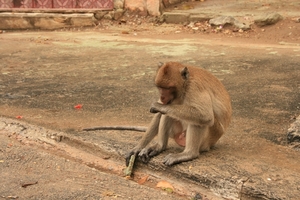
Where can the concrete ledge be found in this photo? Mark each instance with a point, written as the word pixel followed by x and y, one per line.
pixel 176 18
pixel 236 183
pixel 200 17
pixel 44 20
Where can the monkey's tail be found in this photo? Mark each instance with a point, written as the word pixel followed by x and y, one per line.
pixel 126 128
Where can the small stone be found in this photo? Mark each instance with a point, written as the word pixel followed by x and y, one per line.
pixel 226 31
pixel 293 134
pixel 198 197
pixel 297 19
pixel 267 19
pixel 228 20
pixel 99 15
pixel 118 14
pixel 118 4
pixel 223 20
pixel 123 21
pixel 108 16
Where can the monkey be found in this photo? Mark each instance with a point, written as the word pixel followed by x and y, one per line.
pixel 193 105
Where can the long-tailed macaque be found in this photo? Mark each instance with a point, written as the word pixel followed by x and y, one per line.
pixel 194 108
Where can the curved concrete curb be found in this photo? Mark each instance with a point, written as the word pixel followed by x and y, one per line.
pixel 234 187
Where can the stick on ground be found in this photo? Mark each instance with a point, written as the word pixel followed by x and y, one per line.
pixel 129 169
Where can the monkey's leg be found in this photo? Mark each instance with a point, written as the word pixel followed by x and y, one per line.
pixel 151 132
pixel 164 131
pixel 195 137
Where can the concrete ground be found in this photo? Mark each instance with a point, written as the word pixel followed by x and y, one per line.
pixel 238 8
pixel 244 10
pixel 109 70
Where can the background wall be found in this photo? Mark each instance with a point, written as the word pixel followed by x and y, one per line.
pixel 145 7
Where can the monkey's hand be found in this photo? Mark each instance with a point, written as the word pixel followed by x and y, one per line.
pixel 144 155
pixel 153 110
pixel 129 154
pixel 158 108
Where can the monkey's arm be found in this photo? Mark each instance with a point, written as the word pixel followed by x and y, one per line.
pixel 151 132
pixel 198 113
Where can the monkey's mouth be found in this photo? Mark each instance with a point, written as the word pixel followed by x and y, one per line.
pixel 169 102
pixel 165 103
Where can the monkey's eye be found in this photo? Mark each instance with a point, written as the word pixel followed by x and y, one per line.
pixel 165 87
pixel 161 88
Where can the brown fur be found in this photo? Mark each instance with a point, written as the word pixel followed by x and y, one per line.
pixel 199 104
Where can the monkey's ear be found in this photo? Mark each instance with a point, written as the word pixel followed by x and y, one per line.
pixel 185 73
pixel 160 64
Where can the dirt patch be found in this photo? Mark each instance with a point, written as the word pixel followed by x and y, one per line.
pixel 31 170
pixel 45 74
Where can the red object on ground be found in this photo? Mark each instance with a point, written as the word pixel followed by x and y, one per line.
pixel 79 106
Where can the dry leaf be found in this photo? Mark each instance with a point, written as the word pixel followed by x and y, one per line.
pixel 143 180
pixel 106 157
pixel 165 185
pixel 125 32
pixel 12 197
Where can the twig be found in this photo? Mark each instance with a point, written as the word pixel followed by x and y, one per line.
pixel 129 169
pixel 28 184
pixel 128 128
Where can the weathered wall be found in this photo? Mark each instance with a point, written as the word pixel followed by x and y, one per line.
pixel 19 20
pixel 145 7
pixel 50 21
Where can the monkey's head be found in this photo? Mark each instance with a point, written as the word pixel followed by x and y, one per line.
pixel 171 80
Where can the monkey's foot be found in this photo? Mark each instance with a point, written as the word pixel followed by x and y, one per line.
pixel 173 159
